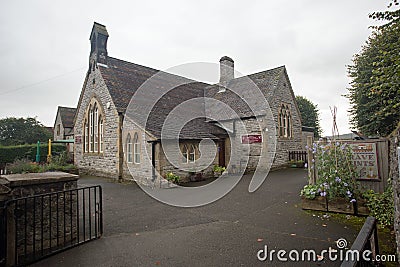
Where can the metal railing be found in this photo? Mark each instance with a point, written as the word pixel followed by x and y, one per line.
pixel 367 239
pixel 298 155
pixel 41 225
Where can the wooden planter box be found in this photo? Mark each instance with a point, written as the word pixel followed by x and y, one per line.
pixel 318 203
pixel 341 205
pixel 361 207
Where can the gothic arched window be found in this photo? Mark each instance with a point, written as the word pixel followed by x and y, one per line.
pixel 285 121
pixel 93 129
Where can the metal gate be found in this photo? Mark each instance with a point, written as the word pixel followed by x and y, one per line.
pixel 38 226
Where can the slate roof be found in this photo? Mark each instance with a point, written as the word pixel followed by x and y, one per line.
pixel 244 98
pixel 123 80
pixel 67 116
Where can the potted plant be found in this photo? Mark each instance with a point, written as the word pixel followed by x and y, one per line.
pixel 218 170
pixel 171 177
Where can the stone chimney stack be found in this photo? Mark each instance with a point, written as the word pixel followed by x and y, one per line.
pixel 98 42
pixel 226 69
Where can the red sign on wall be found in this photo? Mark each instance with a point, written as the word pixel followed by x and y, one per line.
pixel 251 138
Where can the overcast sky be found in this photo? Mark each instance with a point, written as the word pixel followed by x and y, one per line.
pixel 44 45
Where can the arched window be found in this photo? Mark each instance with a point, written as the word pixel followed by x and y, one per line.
pixel 91 115
pixel 129 148
pixel 136 148
pixel 96 129
pixel 185 154
pixel 192 154
pixel 93 129
pixel 285 121
pixel 188 153
pixel 101 126
pixel 86 135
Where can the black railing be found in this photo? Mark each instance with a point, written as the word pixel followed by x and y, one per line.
pixel 367 239
pixel 39 226
pixel 298 156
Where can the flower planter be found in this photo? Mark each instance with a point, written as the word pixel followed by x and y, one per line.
pixel 361 207
pixel 318 203
pixel 341 205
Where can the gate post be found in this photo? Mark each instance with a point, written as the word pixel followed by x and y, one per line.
pixel 4 229
pixel 311 164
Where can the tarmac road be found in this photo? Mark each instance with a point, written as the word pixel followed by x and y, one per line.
pixel 140 231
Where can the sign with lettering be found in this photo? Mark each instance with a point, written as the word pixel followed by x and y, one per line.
pixel 365 159
pixel 251 138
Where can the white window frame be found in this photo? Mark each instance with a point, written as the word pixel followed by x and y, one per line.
pixel 136 149
pixel 191 154
pixel 96 130
pixel 101 134
pixel 129 156
pixel 86 136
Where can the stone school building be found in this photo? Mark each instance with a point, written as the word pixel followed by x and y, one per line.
pixel 106 146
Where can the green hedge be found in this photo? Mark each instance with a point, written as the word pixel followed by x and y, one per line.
pixel 8 154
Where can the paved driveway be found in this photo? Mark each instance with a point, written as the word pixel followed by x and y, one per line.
pixel 140 231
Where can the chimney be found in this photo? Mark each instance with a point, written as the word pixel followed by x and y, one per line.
pixel 98 41
pixel 226 69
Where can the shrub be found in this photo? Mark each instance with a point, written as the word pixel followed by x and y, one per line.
pixel 8 154
pixel 219 169
pixel 172 177
pixel 381 205
pixel 336 172
pixel 59 163
pixel 24 166
pixel 310 191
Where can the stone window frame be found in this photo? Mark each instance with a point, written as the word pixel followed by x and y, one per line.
pixel 285 122
pixel 136 148
pixel 129 150
pixel 132 148
pixel 189 153
pixel 93 128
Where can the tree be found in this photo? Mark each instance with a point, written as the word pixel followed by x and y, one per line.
pixel 19 131
pixel 375 87
pixel 309 114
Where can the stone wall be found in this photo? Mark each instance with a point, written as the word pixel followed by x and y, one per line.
pixel 142 171
pixel 100 164
pixel 36 225
pixel 188 171
pixel 59 136
pixel 394 174
pixel 283 93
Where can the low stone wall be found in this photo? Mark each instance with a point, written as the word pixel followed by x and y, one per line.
pixel 38 224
